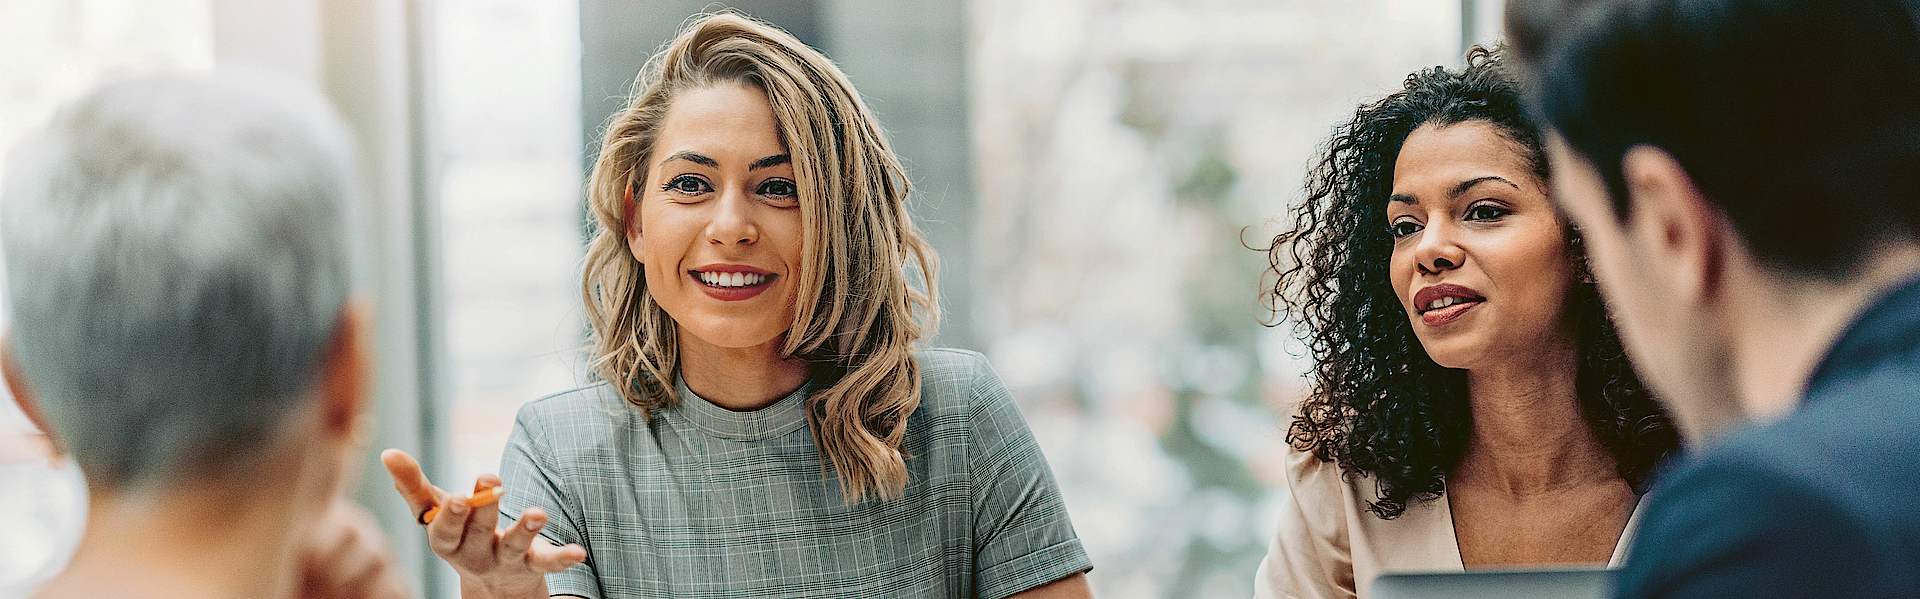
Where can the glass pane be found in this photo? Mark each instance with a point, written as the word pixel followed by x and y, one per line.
pixel 507 77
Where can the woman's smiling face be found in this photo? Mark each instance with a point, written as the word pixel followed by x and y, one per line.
pixel 1479 254
pixel 716 224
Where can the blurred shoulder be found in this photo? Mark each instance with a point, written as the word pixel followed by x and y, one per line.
pixel 1830 480
pixel 1746 519
pixel 1852 442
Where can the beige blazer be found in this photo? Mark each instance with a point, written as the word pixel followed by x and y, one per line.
pixel 1327 545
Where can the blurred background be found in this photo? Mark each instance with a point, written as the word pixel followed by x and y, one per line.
pixel 1092 173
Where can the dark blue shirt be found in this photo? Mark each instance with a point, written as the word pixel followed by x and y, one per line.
pixel 1821 503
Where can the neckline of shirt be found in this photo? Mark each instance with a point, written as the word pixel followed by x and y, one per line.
pixel 779 418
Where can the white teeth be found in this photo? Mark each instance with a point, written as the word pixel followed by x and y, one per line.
pixel 1444 302
pixel 732 279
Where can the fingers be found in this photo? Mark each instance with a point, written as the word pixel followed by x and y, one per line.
pixel 518 537
pixel 545 558
pixel 481 522
pixel 348 558
pixel 464 530
pixel 448 531
pixel 540 555
pixel 412 484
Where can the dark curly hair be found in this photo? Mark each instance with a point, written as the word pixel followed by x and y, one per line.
pixel 1379 405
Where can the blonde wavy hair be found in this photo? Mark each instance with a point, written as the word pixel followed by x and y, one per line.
pixel 859 314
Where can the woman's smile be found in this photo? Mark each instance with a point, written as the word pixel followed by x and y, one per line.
pixel 732 283
pixel 1444 303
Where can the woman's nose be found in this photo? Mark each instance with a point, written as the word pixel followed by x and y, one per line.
pixel 1438 250
pixel 732 221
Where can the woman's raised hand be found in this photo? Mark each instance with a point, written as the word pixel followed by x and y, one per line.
pixel 492 562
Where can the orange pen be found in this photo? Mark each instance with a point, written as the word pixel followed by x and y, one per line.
pixel 483 497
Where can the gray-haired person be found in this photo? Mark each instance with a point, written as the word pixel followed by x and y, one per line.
pixel 179 280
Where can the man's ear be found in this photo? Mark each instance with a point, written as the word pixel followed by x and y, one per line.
pixel 346 373
pixel 22 391
pixel 1675 223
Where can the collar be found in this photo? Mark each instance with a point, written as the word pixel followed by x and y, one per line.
pixel 779 418
pixel 1889 330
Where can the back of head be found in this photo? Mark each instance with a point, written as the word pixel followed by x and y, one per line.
pixel 177 264
pixel 1797 118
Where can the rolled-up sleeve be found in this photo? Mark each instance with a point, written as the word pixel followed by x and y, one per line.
pixel 1022 536
pixel 528 473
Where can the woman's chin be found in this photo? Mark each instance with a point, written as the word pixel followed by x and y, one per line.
pixel 731 334
pixel 1456 352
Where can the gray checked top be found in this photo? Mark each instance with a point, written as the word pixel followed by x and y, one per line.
pixel 707 502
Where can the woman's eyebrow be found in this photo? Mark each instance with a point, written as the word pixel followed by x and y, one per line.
pixel 693 158
pixel 1463 186
pixel 775 160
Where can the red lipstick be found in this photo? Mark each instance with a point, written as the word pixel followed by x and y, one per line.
pixel 1454 300
pixel 731 282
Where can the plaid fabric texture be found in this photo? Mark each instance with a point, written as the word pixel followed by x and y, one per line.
pixel 707 502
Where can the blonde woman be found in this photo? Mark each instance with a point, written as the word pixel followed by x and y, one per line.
pixel 765 427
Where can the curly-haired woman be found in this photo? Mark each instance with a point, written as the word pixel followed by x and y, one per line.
pixel 764 427
pixel 1471 405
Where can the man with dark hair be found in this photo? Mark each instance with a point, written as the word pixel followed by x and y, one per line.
pixel 1740 171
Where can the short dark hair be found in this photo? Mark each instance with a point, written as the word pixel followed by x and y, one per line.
pixel 1800 120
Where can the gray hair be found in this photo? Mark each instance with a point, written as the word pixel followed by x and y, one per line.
pixel 177 263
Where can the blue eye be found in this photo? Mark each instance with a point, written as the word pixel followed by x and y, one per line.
pixel 687 184
pixel 779 188
pixel 1487 212
pixel 1403 229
